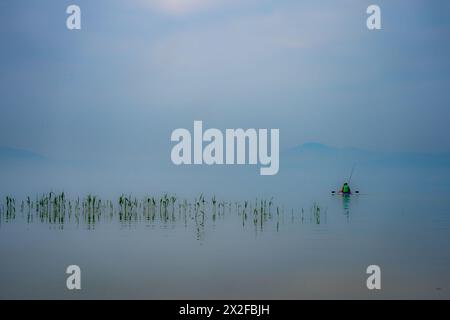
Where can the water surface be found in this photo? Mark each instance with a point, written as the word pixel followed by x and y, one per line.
pixel 198 250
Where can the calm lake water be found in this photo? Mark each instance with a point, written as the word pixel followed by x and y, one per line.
pixel 193 251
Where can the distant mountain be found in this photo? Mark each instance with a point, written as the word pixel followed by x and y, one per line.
pixel 13 154
pixel 318 152
pixel 312 147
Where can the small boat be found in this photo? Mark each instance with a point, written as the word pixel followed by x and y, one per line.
pixel 344 193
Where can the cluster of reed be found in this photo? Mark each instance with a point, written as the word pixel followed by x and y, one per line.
pixel 57 210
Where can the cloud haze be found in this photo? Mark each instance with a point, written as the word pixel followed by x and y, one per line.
pixel 178 7
pixel 139 69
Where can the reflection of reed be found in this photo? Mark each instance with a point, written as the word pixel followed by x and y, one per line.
pixel 166 211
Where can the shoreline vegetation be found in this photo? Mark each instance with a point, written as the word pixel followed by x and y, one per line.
pixel 58 211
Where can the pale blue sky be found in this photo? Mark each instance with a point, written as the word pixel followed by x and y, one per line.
pixel 139 69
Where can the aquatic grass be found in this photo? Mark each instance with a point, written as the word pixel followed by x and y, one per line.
pixel 166 211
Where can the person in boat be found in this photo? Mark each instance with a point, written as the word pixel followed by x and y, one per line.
pixel 345 189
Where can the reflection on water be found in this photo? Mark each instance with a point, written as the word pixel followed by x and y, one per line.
pixel 346 205
pixel 346 202
pixel 167 211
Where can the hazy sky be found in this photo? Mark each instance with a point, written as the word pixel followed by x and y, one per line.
pixel 140 69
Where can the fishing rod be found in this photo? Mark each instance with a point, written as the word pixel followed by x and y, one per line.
pixel 351 173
